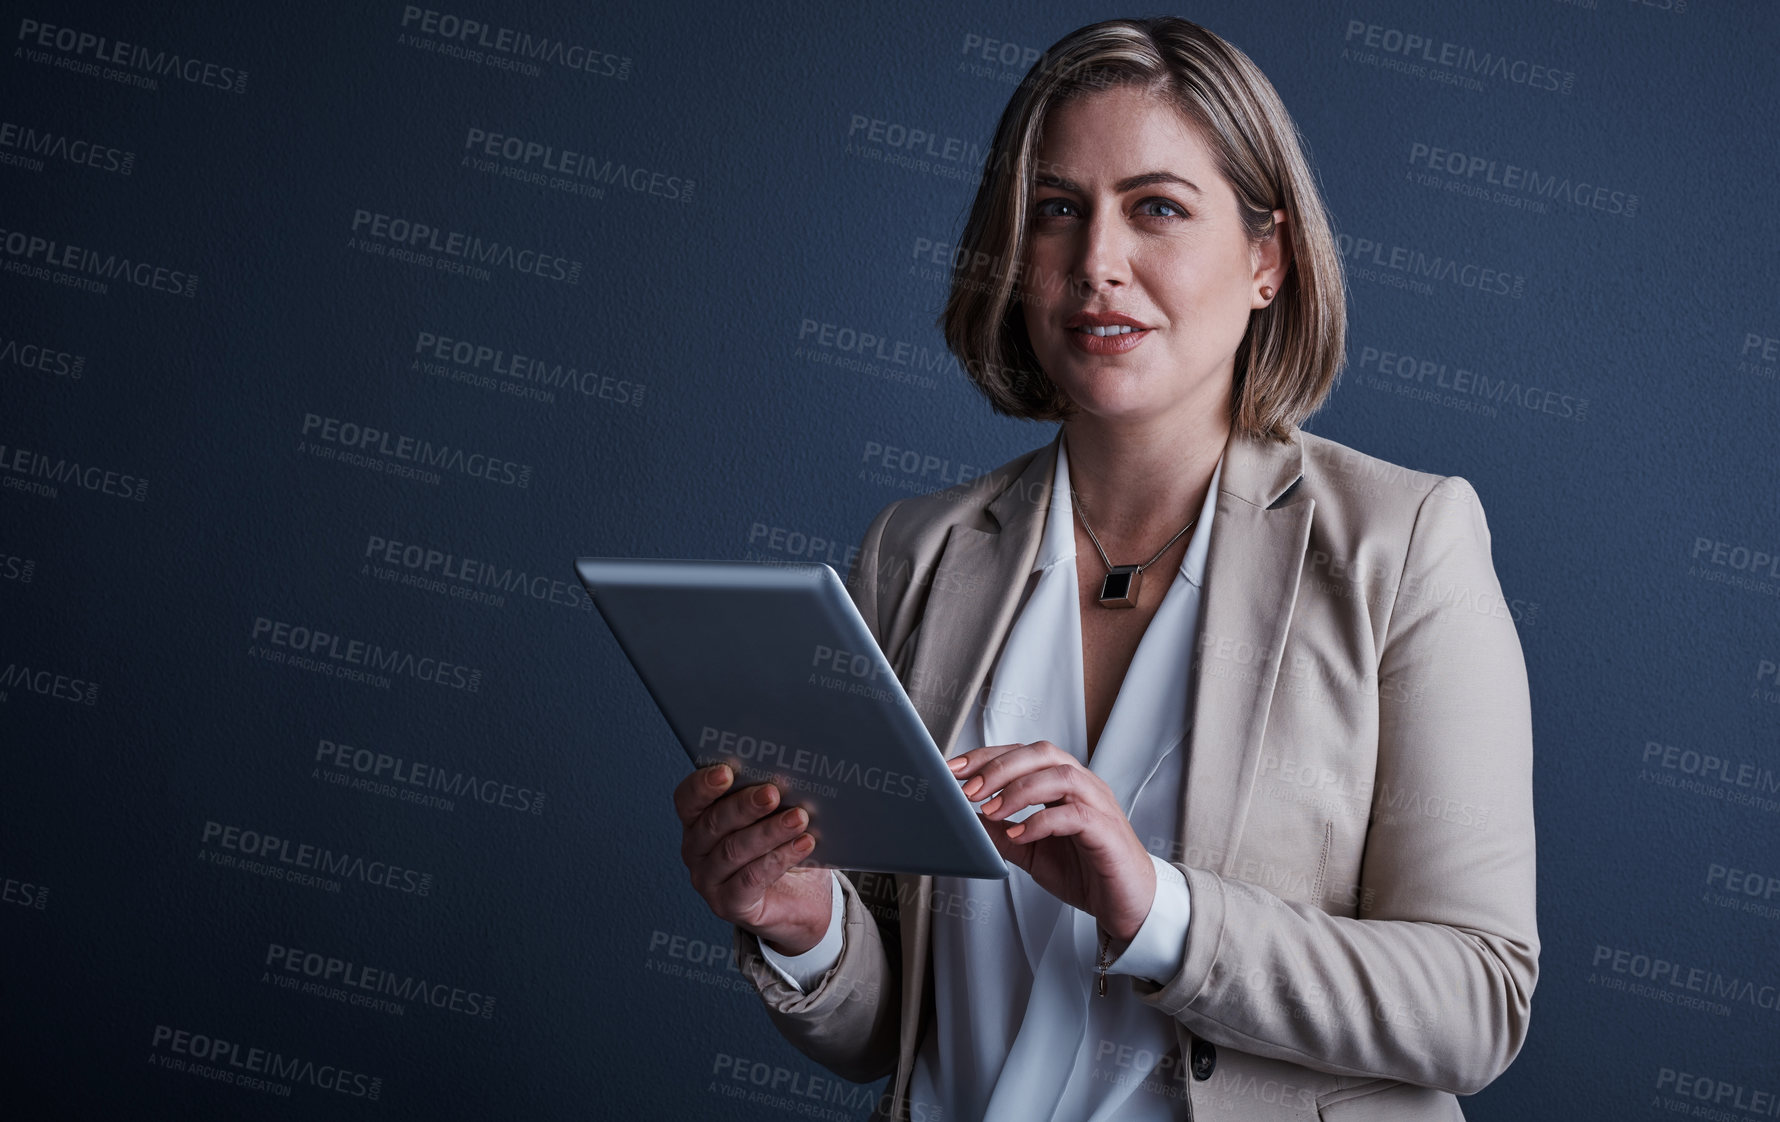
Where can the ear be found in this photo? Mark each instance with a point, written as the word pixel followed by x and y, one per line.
pixel 1272 257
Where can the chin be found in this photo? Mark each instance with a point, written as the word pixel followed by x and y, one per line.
pixel 1106 393
pixel 1109 404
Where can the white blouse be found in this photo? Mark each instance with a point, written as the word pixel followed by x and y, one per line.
pixel 1068 1055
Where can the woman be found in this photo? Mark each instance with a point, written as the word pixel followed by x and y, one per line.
pixel 1238 705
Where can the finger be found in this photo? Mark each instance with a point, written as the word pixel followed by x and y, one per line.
pixel 750 882
pixel 977 759
pixel 965 763
pixel 738 848
pixel 1060 821
pixel 727 815
pixel 694 794
pixel 1049 786
pixel 1016 855
pixel 1007 766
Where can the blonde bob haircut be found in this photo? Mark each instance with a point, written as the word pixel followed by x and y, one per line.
pixel 1292 351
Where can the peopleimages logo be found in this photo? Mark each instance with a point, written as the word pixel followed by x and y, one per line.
pixel 468 577
pixel 48 683
pixel 1491 172
pixel 424 239
pixel 36 256
pixel 415 780
pixel 370 440
pixel 16 568
pixel 352 982
pixel 131 56
pixel 36 356
pixel 803 769
pixel 33 146
pixel 313 643
pixel 227 1061
pixel 516 368
pixel 1408 47
pixel 532 158
pixel 1409 371
pixel 1670 975
pixel 283 853
pixel 1714 1098
pixel 23 894
pixel 457 31
pixel 24 470
pixel 1417 264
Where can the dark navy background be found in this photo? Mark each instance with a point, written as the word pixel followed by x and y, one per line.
pixel 1630 506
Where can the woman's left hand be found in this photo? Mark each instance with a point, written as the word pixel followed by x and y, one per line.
pixel 1080 847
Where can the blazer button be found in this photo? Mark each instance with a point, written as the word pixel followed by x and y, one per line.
pixel 1205 1058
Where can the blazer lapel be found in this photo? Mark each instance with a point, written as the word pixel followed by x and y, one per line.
pixel 976 586
pixel 1252 568
pixel 977 582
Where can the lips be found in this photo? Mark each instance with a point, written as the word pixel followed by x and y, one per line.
pixel 1104 333
pixel 1102 319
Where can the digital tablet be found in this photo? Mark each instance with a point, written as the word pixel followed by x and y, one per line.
pixel 770 668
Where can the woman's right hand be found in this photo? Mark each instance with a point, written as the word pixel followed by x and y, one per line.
pixel 742 856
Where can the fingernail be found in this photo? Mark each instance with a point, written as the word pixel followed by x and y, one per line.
pixel 990 806
pixel 973 786
pixel 719 776
pixel 796 818
pixel 763 797
pixel 1016 829
pixel 803 845
pixel 956 762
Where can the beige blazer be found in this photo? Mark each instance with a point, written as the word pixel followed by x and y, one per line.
pixel 1357 829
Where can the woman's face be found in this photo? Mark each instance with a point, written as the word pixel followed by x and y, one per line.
pixel 1131 221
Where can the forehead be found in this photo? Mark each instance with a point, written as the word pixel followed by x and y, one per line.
pixel 1109 134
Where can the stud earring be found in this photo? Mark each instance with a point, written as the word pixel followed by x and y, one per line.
pixel 1266 292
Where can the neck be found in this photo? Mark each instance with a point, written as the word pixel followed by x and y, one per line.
pixel 1141 480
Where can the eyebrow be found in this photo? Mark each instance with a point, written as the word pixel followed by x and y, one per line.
pixel 1044 179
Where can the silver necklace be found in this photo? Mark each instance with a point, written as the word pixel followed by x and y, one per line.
pixel 1119 589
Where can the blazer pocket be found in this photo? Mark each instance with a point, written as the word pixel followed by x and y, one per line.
pixel 1387 1100
pixel 905 655
pixel 1322 864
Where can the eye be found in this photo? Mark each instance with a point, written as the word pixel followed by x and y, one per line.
pixel 1173 210
pixel 1048 208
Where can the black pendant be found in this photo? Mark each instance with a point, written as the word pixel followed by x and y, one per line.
pixel 1119 589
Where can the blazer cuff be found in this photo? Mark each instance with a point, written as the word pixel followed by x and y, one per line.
pixel 1175 992
pixel 1157 949
pixel 853 983
pixel 803 971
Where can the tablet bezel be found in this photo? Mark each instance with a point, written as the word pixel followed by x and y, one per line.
pixel 658 609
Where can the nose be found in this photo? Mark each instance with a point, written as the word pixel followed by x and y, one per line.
pixel 1102 257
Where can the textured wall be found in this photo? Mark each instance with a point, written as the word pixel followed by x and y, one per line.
pixel 220 363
